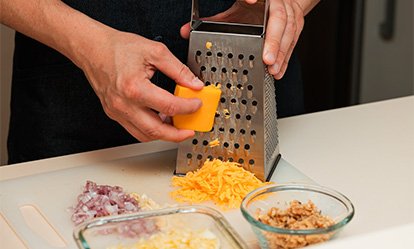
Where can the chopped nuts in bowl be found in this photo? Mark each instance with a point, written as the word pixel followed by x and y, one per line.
pixel 295 215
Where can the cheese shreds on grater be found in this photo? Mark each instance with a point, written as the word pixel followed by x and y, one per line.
pixel 229 55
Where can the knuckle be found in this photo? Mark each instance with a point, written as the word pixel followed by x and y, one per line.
pixel 115 104
pixel 291 26
pixel 152 133
pixel 159 49
pixel 170 109
pixel 280 13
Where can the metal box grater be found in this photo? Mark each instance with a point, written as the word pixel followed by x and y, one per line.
pixel 230 55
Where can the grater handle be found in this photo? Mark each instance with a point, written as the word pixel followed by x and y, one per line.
pixel 195 15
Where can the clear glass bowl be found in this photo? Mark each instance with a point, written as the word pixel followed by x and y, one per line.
pixel 126 231
pixel 330 203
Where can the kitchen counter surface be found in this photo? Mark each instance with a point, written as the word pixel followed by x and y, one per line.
pixel 365 151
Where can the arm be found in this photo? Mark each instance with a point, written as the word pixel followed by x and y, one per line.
pixel 118 65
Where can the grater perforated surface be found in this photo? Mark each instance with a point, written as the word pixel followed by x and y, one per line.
pixel 230 57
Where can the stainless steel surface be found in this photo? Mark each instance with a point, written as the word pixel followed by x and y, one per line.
pixel 245 122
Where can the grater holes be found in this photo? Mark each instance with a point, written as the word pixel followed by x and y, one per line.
pixel 239 86
pixel 233 101
pixel 220 158
pixel 244 102
pixel 208 83
pixel 254 103
pixel 213 69
pixel 241 56
pixel 203 68
pixel 219 54
pixel 238 116
pixel 248 117
pixel 223 100
pixel 230 55
pixel 253 133
pixel 242 131
pixel 236 145
pixel 226 145
pixel 189 155
pixel 230 159
pixel 199 157
pixel 217 115
pixel 210 157
pixel 205 142
pixel 195 141
pixel 198 53
pixel 235 71
pixel 245 72
pixel 228 85
pixel 250 87
pixel 251 162
pixel 221 129
pixel 224 70
pixel 251 59
pixel 209 53
pixel 232 130
pixel 241 161
pixel 247 146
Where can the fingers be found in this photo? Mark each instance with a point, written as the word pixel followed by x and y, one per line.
pixel 274 32
pixel 298 13
pixel 185 30
pixel 286 41
pixel 162 59
pixel 283 30
pixel 149 126
pixel 161 100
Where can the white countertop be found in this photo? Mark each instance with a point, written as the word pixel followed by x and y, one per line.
pixel 365 151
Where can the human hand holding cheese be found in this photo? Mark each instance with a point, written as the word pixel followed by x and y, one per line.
pixel 203 119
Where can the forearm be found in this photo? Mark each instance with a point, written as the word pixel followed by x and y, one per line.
pixel 307 5
pixel 55 24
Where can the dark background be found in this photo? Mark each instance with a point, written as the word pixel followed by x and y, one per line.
pixel 325 50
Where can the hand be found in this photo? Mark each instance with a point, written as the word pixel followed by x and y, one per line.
pixel 120 70
pixel 284 25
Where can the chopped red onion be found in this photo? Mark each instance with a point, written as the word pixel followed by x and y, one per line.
pixel 102 200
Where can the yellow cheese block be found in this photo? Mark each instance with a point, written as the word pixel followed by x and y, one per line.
pixel 203 118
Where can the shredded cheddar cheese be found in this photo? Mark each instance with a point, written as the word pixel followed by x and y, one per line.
pixel 224 183
pixel 176 239
pixel 209 45
pixel 214 143
pixel 226 113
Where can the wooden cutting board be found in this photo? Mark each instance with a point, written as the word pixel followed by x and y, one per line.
pixel 53 192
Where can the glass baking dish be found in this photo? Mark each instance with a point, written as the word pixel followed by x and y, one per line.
pixel 197 223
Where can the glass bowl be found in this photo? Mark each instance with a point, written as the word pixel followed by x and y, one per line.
pixel 256 205
pixel 199 226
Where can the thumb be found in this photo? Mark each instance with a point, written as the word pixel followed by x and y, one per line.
pixel 172 67
pixel 185 31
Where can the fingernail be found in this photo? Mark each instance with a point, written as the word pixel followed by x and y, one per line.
pixel 197 82
pixel 275 68
pixel 270 57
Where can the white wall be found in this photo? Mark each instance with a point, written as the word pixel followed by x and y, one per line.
pixel 6 46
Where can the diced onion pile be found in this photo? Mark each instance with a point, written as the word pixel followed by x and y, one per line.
pixel 224 183
pixel 176 238
pixel 102 200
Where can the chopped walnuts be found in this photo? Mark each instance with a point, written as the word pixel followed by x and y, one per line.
pixel 297 216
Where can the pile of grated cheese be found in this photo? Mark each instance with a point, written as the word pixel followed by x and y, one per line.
pixel 177 239
pixel 224 183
